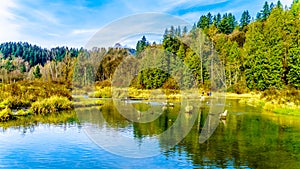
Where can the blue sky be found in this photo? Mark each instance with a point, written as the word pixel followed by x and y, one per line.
pixel 73 22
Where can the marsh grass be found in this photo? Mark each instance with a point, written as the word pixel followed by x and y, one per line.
pixel 24 93
pixel 14 102
pixel 134 93
pixel 54 104
pixel 102 93
pixel 36 96
pixel 284 101
pixel 81 102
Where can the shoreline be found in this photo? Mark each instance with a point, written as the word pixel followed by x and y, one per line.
pixel 46 97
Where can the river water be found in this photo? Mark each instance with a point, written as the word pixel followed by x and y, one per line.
pixel 248 138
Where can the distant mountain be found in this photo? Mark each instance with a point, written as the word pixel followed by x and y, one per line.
pixel 131 50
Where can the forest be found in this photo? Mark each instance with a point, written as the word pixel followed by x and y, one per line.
pixel 259 53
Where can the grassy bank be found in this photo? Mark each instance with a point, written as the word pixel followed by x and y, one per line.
pixel 32 98
pixel 170 94
pixel 25 98
pixel 286 101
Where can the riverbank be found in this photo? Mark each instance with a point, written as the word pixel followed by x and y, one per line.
pixel 30 98
pixel 278 101
pixel 26 98
pixel 285 102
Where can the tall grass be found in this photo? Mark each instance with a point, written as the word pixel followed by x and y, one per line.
pixel 39 97
pixel 285 101
pixel 108 92
pixel 23 93
pixel 51 105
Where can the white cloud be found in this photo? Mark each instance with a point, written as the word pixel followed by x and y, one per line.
pixel 44 16
pixel 9 28
pixel 167 5
pixel 83 31
pixel 286 2
pixel 73 23
pixel 190 3
pixel 140 24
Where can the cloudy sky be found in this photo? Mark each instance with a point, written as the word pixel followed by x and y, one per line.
pixel 73 22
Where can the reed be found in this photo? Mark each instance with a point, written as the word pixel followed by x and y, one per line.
pixel 54 104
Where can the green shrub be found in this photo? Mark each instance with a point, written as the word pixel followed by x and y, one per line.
pixel 53 104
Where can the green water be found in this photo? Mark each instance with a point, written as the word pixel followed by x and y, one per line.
pixel 247 138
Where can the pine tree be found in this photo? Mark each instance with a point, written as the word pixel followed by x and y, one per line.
pixel 217 20
pixel 266 11
pixel 245 19
pixel 254 55
pixel 141 45
pixel 279 5
pixel 293 59
pixel 210 19
pixel 227 24
pixel 203 22
pixel 184 31
pixel 36 73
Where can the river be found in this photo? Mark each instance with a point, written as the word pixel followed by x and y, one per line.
pixel 105 138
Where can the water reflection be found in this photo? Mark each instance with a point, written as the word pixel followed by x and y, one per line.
pixel 165 128
pixel 248 138
pixel 28 123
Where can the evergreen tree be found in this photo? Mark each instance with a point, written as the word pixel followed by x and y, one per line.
pixel 22 68
pixel 184 31
pixel 279 5
pixel 203 22
pixel 210 19
pixel 293 58
pixel 265 12
pixel 227 24
pixel 36 73
pixel 217 20
pixel 245 19
pixel 141 45
pixel 231 22
pixel 259 16
pixel 293 75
